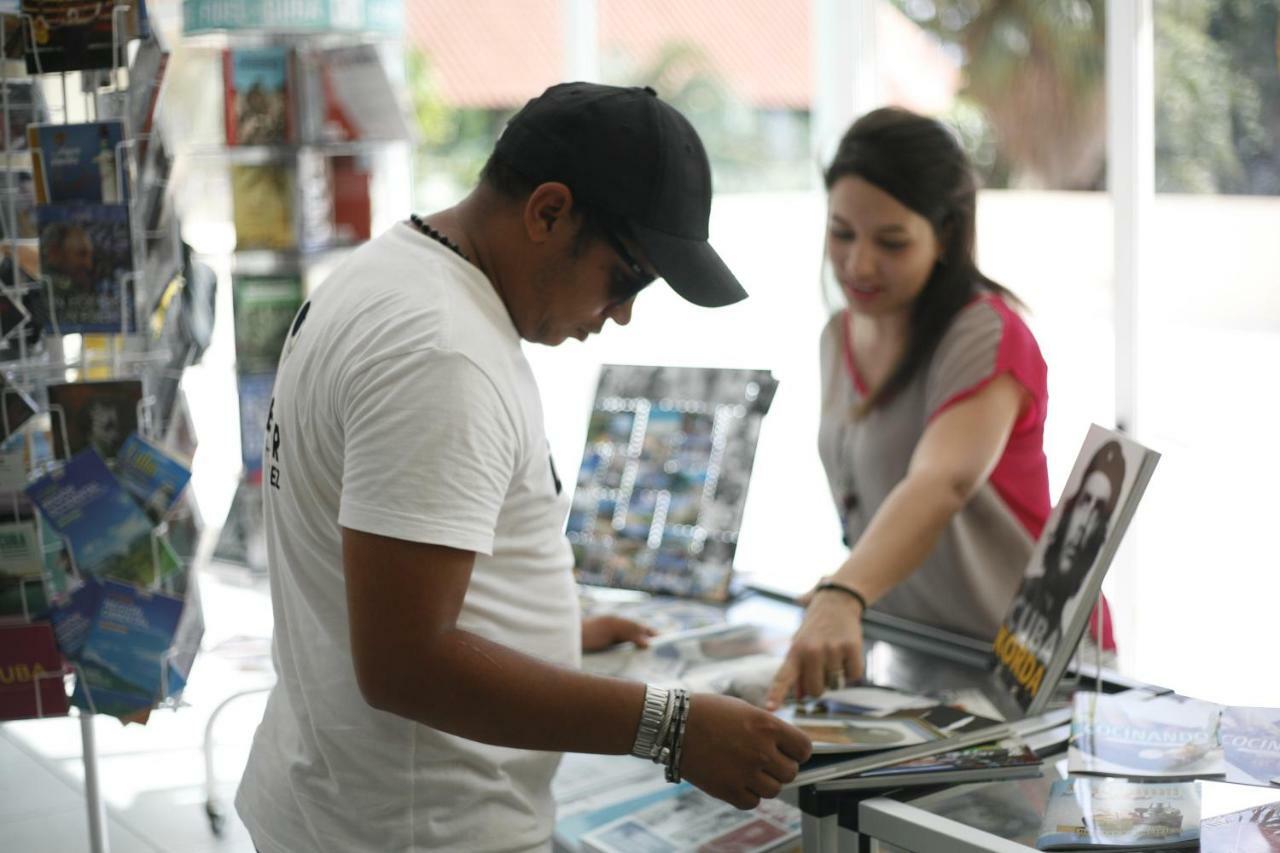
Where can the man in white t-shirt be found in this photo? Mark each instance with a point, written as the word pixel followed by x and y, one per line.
pixel 427 630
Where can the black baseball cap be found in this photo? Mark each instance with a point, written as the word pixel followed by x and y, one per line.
pixel 633 157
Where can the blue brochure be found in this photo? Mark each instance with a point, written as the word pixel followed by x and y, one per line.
pixel 154 478
pixel 80 162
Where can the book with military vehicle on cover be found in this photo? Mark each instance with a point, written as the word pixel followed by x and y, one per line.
pixel 1062 581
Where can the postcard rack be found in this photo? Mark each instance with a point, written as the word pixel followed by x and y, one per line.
pixel 42 345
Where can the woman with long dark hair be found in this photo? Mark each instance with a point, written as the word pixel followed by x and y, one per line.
pixel 933 405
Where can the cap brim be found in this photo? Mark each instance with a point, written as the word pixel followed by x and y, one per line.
pixel 691 267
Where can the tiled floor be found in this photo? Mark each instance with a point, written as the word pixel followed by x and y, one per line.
pixel 152 777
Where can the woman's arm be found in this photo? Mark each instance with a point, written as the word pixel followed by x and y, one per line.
pixel 953 459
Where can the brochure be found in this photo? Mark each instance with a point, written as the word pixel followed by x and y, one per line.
pixel 154 478
pixel 1251 745
pixel 1140 736
pixel 79 162
pixel 1108 814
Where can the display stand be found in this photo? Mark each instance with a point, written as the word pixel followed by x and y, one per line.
pixel 32 362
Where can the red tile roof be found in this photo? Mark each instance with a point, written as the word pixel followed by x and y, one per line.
pixel 498 53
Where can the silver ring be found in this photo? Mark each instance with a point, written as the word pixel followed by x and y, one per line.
pixel 835 680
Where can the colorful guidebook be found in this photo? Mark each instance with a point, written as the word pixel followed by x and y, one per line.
pixel 123 665
pixel 257 96
pixel 264 307
pixel 1140 736
pixel 1051 610
pixel 1253 830
pixel 100 415
pixel 108 534
pixel 86 256
pixel 1251 745
pixel 78 162
pixel 153 477
pixel 30 673
pixel 1110 814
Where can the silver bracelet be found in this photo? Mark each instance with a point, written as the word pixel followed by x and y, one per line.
pixel 673 752
pixel 657 708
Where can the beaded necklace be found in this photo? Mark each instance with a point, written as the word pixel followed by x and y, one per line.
pixel 423 228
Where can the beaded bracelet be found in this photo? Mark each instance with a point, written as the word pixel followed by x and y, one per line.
pixel 847 590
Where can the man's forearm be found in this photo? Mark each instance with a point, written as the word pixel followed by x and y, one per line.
pixel 468 686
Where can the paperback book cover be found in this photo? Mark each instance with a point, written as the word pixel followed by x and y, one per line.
pixel 257 96
pixel 78 162
pixel 255 400
pixel 123 665
pixel 1110 814
pixel 1251 745
pixel 354 96
pixel 26 107
pixel 108 534
pixel 1010 758
pixel 18 206
pixel 1255 830
pixel 1140 736
pixel 262 206
pixel 663 482
pixel 100 415
pixel 689 819
pixel 30 673
pixel 86 256
pixel 153 477
pixel 1062 581
pixel 264 308
pixel 75 36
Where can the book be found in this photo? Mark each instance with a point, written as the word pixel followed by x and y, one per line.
pixel 123 665
pixel 1010 758
pixel 31 682
pixel 153 477
pixel 262 206
pixel 1140 736
pixel 18 205
pixel 688 819
pixel 352 204
pixel 1251 745
pixel 86 257
pixel 26 107
pixel 108 534
pixel 1253 830
pixel 349 96
pixel 254 391
pixel 263 308
pixel 1111 814
pixel 1063 578
pixel 100 415
pixel 70 36
pixel 78 162
pixel 663 481
pixel 257 96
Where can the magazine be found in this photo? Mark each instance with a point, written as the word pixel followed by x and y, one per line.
pixel 31 682
pixel 123 663
pixel 108 534
pixel 153 477
pixel 258 98
pixel 262 206
pixel 78 162
pixel 100 415
pixel 688 819
pixel 1254 830
pixel 836 732
pixel 263 308
pixel 78 36
pixel 1102 814
pixel 1050 612
pixel 1010 758
pixel 86 258
pixel 1140 736
pixel 1251 745
pixel 349 96
pixel 663 482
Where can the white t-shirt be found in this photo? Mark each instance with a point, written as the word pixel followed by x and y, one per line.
pixel 403 407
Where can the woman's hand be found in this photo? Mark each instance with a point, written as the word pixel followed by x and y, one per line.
pixel 825 652
pixel 601 632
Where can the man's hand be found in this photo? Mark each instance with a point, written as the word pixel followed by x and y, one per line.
pixel 826 650
pixel 601 632
pixel 739 753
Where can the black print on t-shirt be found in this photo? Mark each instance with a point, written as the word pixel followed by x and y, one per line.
pixel 297 321
pixel 273 444
pixel 554 476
